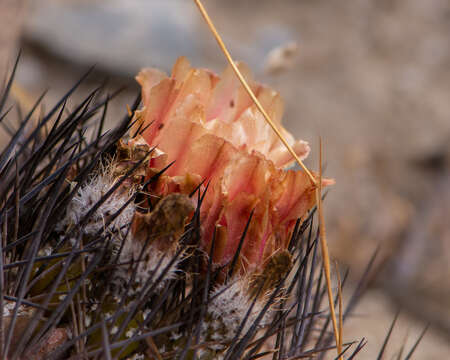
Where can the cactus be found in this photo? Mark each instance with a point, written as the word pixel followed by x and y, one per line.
pixel 110 250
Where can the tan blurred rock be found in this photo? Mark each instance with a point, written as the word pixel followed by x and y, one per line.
pixel 372 319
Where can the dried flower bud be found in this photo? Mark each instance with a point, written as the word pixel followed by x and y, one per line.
pixel 278 265
pixel 165 222
pixel 132 151
pixel 154 238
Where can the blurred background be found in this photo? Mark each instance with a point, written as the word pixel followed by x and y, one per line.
pixel 371 77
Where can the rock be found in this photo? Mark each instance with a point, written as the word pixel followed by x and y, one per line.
pixel 372 319
pixel 121 36
pixel 124 36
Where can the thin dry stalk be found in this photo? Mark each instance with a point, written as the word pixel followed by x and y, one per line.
pixel 341 315
pixel 325 254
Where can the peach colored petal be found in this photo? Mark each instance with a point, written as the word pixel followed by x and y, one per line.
pixel 208 157
pixel 148 78
pixel 181 69
pixel 297 198
pixel 282 158
pixel 229 99
pixel 152 115
pixel 248 173
pixel 228 110
pixel 178 136
pixel 210 212
pixel 234 217
pixel 272 101
pixel 214 133
pixel 258 234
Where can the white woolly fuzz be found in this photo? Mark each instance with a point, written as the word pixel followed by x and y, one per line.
pixel 137 357
pixel 153 262
pixel 9 306
pixel 89 194
pixel 87 321
pixel 228 310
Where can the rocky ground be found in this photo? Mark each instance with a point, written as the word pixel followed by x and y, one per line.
pixel 372 78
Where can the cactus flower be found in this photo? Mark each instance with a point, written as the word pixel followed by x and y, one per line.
pixel 209 127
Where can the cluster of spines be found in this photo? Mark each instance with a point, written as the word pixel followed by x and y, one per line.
pixel 163 312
